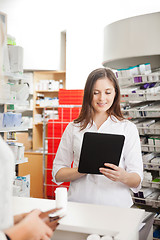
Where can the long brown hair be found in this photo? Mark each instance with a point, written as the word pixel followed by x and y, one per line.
pixel 86 114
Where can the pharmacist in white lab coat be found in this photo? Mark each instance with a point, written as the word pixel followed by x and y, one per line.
pixel 100 113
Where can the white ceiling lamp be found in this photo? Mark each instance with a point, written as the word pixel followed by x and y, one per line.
pixel 132 41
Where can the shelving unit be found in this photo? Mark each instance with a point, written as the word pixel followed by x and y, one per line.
pixel 37 109
pixel 9 96
pixel 138 106
pixel 68 110
pixel 139 113
pixel 55 129
pixel 36 156
pixel 135 47
pixel 4 132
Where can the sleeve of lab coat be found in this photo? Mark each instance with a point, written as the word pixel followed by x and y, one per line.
pixel 2 236
pixel 132 153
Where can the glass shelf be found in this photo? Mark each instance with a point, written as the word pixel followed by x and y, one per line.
pixel 142 75
pixel 15 76
pixel 12 101
pixel 21 161
pixel 13 129
pixel 47 91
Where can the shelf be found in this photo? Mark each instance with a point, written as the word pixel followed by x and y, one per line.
pixel 146 145
pixel 142 110
pixel 151 184
pixel 149 145
pixel 148 128
pixel 21 161
pixel 152 164
pixel 18 102
pixel 52 137
pixel 142 75
pixel 157 221
pixel 59 106
pixel 46 91
pixel 14 129
pixel 139 97
pixel 23 110
pixel 134 113
pixel 151 168
pixel 129 81
pixel 137 84
pixel 39 123
pixel 144 201
pixel 15 76
pixel 51 107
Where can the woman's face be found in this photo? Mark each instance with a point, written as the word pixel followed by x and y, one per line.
pixel 103 95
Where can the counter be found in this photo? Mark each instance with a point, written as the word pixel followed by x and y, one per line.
pixel 84 219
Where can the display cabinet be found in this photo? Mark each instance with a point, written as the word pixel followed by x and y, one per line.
pixel 46 89
pixel 128 45
pixel 12 92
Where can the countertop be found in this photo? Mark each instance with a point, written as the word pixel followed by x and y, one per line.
pixel 120 223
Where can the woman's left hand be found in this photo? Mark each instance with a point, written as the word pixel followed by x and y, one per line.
pixel 118 174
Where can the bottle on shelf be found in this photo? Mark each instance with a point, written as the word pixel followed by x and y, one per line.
pixel 60 84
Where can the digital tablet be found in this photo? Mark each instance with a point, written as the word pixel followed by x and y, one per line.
pixel 99 148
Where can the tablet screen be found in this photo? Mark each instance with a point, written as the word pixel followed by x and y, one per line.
pixel 99 148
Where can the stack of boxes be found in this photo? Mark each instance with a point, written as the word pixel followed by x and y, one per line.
pixel 70 105
pixel 70 97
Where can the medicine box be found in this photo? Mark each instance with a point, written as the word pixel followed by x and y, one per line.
pixel 16 58
pixel 12 119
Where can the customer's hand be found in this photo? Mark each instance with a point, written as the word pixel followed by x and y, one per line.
pixel 51 223
pixel 32 227
pixel 116 174
pixel 19 217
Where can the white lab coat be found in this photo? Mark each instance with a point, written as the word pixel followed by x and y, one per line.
pixel 98 189
pixel 6 185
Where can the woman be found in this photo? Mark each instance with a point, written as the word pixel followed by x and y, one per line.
pixel 100 113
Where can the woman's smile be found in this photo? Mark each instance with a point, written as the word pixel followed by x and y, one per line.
pixel 103 95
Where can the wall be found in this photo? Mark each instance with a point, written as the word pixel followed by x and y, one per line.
pixel 37 26
pixel 85 33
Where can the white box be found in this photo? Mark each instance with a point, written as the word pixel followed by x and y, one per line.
pixel 14 148
pixel 23 184
pixel 20 154
pixel 147 157
pixel 157 144
pixel 6 62
pixel 151 142
pixel 16 58
pixel 155 160
pixel 151 197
